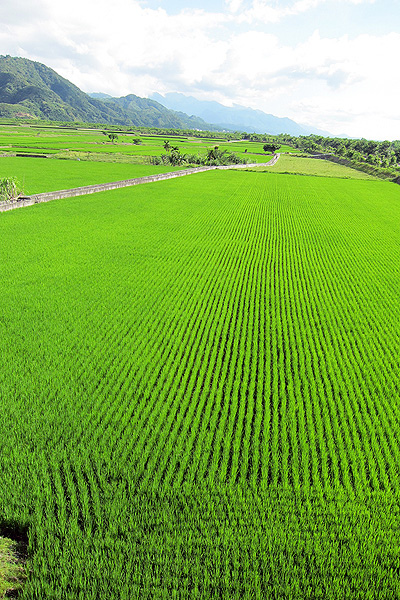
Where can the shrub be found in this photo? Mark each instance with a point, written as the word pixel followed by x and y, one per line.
pixel 10 189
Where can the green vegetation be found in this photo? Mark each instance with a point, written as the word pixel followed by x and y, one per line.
pixel 213 157
pixel 134 146
pixel 111 136
pixel 10 189
pixel 309 166
pixel 380 159
pixel 140 146
pixel 199 389
pixel 271 147
pixel 42 175
pixel 12 575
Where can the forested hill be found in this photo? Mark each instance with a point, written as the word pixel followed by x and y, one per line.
pixel 151 113
pixel 31 89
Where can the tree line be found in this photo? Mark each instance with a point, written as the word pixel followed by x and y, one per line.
pixel 214 156
pixel 383 154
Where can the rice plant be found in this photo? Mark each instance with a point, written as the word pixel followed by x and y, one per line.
pixel 199 392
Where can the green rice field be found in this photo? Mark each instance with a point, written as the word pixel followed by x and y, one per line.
pixel 292 164
pixel 200 389
pixel 90 144
pixel 38 175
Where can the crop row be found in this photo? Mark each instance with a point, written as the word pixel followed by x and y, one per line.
pixel 199 392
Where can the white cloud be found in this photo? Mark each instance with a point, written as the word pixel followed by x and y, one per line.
pixel 356 76
pixel 346 84
pixel 234 5
pixel 265 11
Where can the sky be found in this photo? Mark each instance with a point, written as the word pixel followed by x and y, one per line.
pixel 331 64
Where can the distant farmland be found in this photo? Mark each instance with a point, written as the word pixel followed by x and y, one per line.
pixel 200 389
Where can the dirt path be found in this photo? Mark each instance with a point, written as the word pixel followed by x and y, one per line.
pixel 91 189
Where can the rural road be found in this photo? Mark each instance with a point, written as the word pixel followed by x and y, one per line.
pixel 91 189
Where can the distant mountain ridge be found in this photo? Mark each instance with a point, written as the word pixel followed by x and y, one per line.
pixel 150 112
pixel 237 117
pixel 31 89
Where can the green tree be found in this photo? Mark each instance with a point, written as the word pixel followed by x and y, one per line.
pixel 213 153
pixel 176 158
pixel 271 147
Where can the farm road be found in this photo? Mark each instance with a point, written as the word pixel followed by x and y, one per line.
pixel 91 189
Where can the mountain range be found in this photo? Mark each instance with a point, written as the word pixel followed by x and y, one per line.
pixel 236 117
pixel 30 89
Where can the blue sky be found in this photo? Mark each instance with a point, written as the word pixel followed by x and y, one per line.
pixel 332 64
pixel 332 18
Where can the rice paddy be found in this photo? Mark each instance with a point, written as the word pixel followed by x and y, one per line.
pixel 134 146
pixel 200 393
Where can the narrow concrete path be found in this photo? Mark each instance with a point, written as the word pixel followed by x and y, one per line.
pixel 91 189
pixel 273 160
